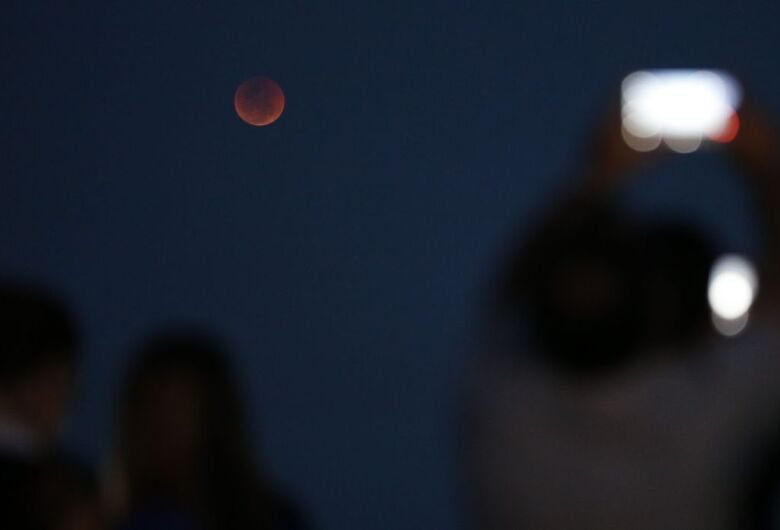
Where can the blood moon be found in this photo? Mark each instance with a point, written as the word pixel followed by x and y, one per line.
pixel 259 101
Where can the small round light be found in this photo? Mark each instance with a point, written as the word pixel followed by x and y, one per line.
pixel 732 287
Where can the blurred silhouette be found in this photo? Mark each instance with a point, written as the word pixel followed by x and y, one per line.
pixel 603 289
pixel 762 500
pixel 602 397
pixel 38 354
pixel 184 451
pixel 69 491
pixel 758 143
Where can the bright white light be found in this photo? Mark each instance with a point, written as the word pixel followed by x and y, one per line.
pixel 679 105
pixel 732 287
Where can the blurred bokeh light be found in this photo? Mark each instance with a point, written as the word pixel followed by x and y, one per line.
pixel 682 107
pixel 732 289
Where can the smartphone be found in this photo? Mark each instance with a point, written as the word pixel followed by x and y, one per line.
pixel 681 108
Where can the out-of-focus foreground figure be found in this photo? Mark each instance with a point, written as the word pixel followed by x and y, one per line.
pixel 184 457
pixel 602 397
pixel 39 488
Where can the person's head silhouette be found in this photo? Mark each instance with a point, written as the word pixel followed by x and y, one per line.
pixel 38 353
pixel 184 445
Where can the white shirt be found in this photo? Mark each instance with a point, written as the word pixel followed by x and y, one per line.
pixel 659 446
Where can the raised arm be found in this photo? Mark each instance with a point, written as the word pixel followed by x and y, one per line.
pixel 756 149
pixel 605 166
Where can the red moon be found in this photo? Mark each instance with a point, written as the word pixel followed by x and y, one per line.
pixel 259 101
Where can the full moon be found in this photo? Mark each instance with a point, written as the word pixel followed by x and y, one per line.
pixel 259 101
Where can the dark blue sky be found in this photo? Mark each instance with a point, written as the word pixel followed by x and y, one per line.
pixel 342 249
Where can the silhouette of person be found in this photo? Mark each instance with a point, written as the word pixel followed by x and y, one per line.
pixel 602 398
pixel 184 454
pixel 38 354
pixel 760 143
pixel 69 490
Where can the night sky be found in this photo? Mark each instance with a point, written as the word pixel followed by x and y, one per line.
pixel 342 250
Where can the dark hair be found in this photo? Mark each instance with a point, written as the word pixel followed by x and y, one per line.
pixel 677 260
pixel 597 288
pixel 602 332
pixel 36 327
pixel 234 492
